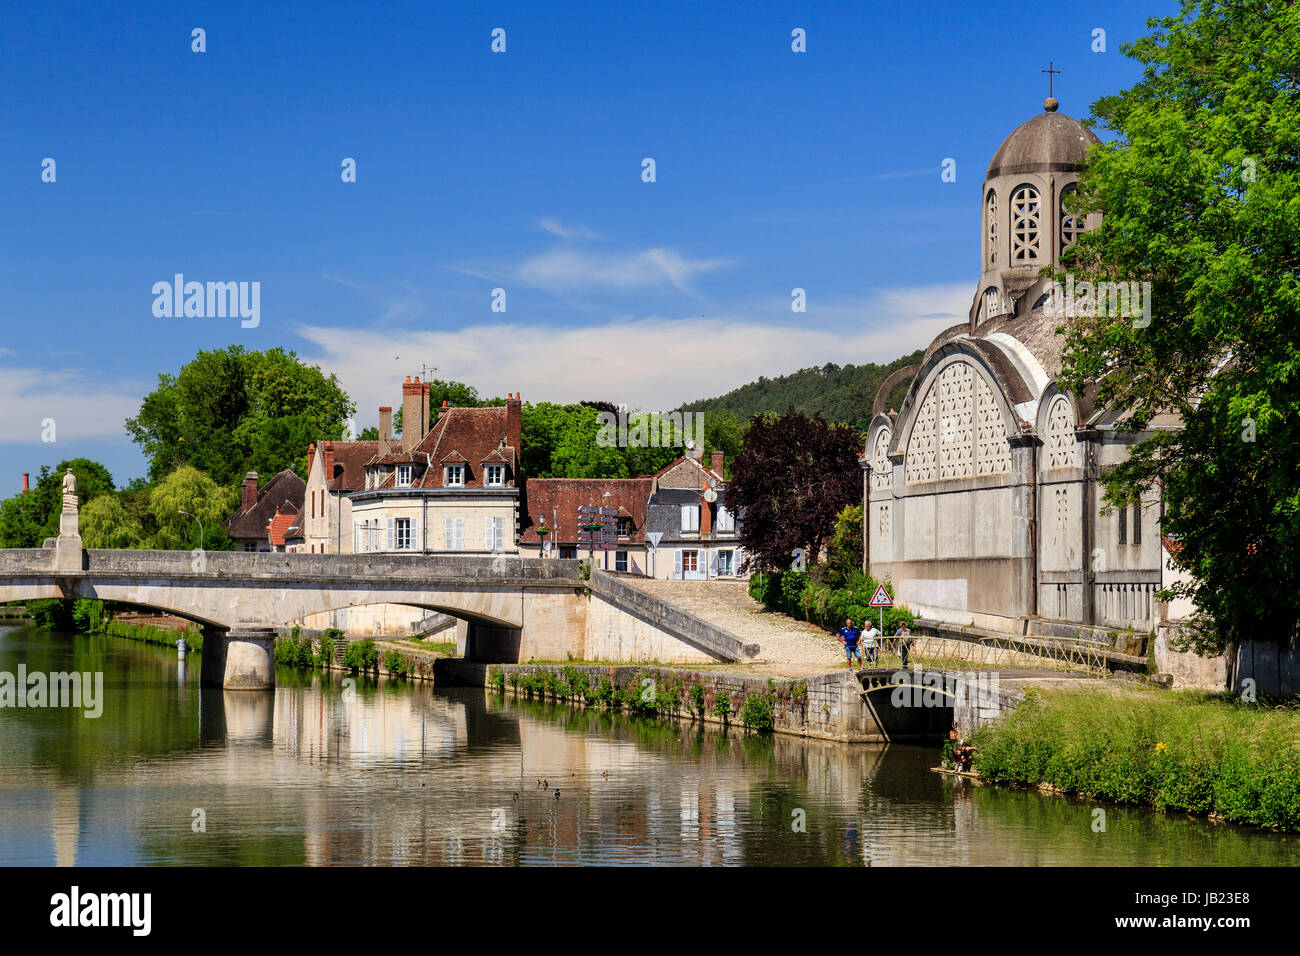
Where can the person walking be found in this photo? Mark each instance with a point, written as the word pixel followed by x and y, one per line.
pixel 849 636
pixel 904 635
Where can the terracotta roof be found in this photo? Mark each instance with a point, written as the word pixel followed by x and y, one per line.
pixel 467 435
pixel 279 525
pixel 350 459
pixel 284 492
pixel 547 496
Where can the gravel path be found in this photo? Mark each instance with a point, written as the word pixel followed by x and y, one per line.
pixel 788 648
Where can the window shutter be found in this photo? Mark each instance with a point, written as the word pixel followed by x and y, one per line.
pixel 489 534
pixel 677 563
pixel 356 536
pixel 390 534
pixel 416 544
pixel 448 533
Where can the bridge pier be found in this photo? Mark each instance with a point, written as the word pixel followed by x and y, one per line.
pixel 241 658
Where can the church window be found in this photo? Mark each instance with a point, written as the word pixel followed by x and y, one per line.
pixel 1062 449
pixel 991 227
pixel 959 431
pixel 1123 525
pixel 1024 224
pixel 1137 524
pixel 1071 224
pixel 880 469
pixel 992 303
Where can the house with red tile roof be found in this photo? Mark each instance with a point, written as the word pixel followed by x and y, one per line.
pixel 550 522
pixel 335 469
pixel 698 535
pixel 450 484
pixel 283 494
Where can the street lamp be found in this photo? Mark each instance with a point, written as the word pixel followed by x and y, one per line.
pixel 603 499
pixel 200 524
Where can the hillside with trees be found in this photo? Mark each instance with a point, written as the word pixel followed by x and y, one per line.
pixel 841 393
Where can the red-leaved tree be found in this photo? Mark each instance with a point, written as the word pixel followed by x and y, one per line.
pixel 792 477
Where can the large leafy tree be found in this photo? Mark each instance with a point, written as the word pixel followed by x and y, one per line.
pixel 1200 196
pixel 26 520
pixel 189 490
pixel 791 480
pixel 230 411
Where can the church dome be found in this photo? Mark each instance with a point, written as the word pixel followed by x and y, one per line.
pixel 1049 142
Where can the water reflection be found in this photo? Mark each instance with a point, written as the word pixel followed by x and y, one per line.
pixel 401 773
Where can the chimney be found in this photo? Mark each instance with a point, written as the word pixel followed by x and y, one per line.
pixel 412 404
pixel 426 422
pixel 716 465
pixel 26 477
pixel 311 456
pixel 706 516
pixel 513 423
pixel 385 429
pixel 249 497
pixel 328 462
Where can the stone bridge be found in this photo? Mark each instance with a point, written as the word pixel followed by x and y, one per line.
pixel 517 608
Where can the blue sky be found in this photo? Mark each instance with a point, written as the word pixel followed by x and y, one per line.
pixel 518 170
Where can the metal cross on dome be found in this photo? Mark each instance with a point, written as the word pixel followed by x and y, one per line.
pixel 1049 71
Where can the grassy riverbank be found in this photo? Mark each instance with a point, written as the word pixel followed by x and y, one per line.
pixel 1201 754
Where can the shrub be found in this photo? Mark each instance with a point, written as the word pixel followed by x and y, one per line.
pixel 396 664
pixel 722 705
pixel 51 614
pixel 758 712
pixel 361 656
pixel 696 697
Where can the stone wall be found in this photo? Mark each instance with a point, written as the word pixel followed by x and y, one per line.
pixel 1189 671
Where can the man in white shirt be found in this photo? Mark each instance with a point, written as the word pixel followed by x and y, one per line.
pixel 869 646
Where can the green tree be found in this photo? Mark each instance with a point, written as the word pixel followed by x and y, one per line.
pixel 105 523
pixel 26 520
pixel 844 553
pixel 230 411
pixel 1198 193
pixel 188 489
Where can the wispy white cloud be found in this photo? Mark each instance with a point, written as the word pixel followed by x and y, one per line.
pixel 79 408
pixel 569 269
pixel 652 362
pixel 557 228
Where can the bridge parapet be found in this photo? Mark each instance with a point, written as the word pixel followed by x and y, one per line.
pixel 25 560
pixel 416 569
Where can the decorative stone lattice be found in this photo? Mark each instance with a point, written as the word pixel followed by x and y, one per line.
pixel 1024 224
pixel 881 471
pixel 959 431
pixel 885 523
pixel 992 303
pixel 1071 226
pixel 991 218
pixel 1062 449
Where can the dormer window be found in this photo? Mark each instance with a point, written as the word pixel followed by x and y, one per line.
pixel 403 476
pixel 455 476
pixel 495 476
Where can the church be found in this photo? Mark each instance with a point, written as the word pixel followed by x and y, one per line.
pixel 982 503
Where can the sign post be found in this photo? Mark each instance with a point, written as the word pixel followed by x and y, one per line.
pixel 882 600
pixel 653 537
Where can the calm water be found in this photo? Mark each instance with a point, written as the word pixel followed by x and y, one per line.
pixel 411 775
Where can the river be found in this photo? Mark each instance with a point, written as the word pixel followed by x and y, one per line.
pixel 403 773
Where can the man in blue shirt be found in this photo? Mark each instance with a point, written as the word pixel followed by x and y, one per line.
pixel 848 635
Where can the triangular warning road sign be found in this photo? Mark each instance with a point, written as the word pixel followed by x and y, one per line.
pixel 881 598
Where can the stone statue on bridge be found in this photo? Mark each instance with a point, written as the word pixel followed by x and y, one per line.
pixel 69 493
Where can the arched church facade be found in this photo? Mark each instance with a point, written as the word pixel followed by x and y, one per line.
pixel 982 501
